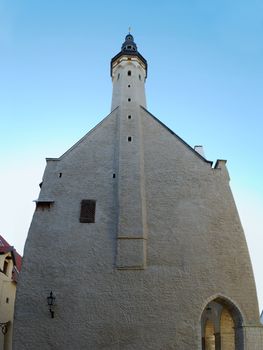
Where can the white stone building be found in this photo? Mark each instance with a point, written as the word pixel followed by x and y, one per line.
pixel 138 237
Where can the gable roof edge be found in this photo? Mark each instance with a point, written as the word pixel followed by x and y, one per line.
pixel 82 139
pixel 178 137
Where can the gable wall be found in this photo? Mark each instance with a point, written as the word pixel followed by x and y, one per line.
pixel 193 231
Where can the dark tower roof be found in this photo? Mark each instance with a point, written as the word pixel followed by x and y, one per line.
pixel 129 44
pixel 129 48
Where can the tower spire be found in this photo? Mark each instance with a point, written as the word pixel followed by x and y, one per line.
pixel 129 48
pixel 128 72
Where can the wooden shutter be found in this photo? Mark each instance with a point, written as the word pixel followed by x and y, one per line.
pixel 87 211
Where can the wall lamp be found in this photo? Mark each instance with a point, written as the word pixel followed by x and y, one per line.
pixel 51 302
pixel 3 326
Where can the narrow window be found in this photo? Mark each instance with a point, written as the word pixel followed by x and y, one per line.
pixel 129 72
pixel 5 267
pixel 60 175
pixel 87 211
pixel 129 116
pixel 7 300
pixel 129 99
pixel 129 138
pixel 113 176
pixel 140 77
pixel 129 85
pixel 118 76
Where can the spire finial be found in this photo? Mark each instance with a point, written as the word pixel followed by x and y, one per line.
pixel 129 30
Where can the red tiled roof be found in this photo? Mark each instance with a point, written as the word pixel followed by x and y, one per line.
pixel 5 247
pixel 3 242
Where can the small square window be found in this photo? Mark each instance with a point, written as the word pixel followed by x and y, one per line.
pixel 87 211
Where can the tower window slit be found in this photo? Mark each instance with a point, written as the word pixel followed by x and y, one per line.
pixel 129 138
pixel 129 116
pixel 140 77
pixel 129 86
pixel 129 100
pixel 129 72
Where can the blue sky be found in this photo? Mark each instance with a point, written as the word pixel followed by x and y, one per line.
pixel 204 82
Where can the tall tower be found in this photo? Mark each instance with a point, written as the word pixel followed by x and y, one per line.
pixel 138 237
pixel 129 71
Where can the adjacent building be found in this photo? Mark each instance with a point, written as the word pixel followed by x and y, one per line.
pixel 137 236
pixel 10 265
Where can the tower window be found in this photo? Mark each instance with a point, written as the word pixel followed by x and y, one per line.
pixel 87 211
pixel 140 77
pixel 129 85
pixel 113 175
pixel 60 175
pixel 129 72
pixel 129 99
pixel 129 116
pixel 129 138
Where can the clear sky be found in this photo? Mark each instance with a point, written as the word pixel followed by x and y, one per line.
pixel 204 82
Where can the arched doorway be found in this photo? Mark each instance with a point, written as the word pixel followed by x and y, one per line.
pixel 221 323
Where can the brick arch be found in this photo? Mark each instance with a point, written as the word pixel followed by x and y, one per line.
pixel 227 321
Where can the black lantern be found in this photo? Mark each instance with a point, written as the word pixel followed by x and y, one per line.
pixel 3 326
pixel 51 303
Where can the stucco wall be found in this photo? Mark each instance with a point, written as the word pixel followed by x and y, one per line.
pixel 254 338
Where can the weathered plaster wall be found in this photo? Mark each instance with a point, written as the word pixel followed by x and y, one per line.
pixel 191 204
